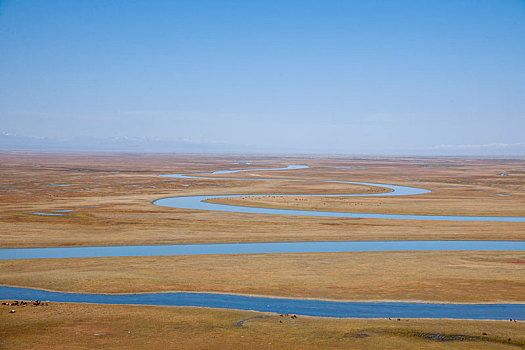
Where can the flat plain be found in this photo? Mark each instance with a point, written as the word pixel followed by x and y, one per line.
pixel 92 326
pixel 110 197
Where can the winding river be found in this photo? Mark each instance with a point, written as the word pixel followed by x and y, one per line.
pixel 281 305
pixel 202 202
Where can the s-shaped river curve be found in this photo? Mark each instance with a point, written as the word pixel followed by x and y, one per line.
pixel 283 305
pixel 202 202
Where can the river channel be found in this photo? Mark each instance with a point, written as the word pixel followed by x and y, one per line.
pixel 280 305
pixel 202 202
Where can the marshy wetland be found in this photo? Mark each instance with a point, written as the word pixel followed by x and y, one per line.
pixel 107 200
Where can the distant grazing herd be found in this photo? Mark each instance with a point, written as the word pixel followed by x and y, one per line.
pixel 24 303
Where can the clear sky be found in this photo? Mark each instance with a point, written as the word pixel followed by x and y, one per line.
pixel 279 76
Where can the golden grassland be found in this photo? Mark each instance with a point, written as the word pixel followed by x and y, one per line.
pixel 431 204
pixel 111 196
pixel 411 276
pixel 89 326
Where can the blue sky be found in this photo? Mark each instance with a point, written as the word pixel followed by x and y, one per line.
pixel 277 76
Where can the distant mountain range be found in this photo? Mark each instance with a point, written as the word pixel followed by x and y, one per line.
pixel 499 149
pixel 114 144
pixel 135 144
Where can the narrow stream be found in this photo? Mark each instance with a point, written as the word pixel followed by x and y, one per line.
pixel 202 202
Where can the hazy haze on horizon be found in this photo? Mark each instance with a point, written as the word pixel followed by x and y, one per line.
pixel 428 77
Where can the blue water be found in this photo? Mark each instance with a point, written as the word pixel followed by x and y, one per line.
pixel 54 213
pixel 47 214
pixel 289 306
pixel 218 172
pixel 198 203
pixel 259 248
pixel 201 202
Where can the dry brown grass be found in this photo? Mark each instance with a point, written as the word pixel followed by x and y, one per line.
pixel 431 204
pixel 429 276
pixel 125 214
pixel 85 326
